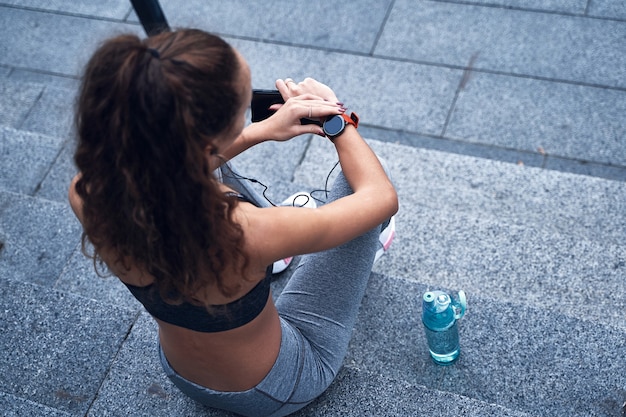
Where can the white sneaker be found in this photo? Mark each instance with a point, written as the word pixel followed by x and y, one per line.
pixel 281 265
pixel 386 238
pixel 302 199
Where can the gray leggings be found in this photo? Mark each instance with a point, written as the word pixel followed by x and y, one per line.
pixel 318 309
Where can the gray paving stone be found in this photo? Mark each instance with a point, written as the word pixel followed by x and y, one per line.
pixel 575 7
pixel 537 361
pixel 53 113
pixel 564 120
pixel 116 9
pixel 454 146
pixel 538 44
pixel 57 347
pixel 56 182
pixel 57 81
pixel 39 236
pixel 80 277
pixel 13 406
pixel 610 172
pixel 613 9
pixel 298 22
pixel 35 41
pixel 25 158
pixel 388 94
pixel 16 100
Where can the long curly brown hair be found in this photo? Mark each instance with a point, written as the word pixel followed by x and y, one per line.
pixel 145 113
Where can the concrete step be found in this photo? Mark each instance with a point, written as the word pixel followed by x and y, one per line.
pixel 57 347
pixel 74 356
pixel 38 236
pixel 26 159
pixel 136 386
pixel 36 138
pixel 40 106
pixel 534 360
pixel 503 231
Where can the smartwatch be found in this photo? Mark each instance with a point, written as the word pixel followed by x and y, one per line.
pixel 335 125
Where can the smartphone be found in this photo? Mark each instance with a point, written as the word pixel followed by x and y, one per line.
pixel 261 102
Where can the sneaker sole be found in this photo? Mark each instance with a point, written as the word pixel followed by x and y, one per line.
pixel 386 238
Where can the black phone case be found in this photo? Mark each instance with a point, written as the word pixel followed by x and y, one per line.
pixel 263 99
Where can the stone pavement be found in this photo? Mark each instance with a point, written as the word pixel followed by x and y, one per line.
pixel 504 124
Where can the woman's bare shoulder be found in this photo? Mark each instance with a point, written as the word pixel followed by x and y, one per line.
pixel 75 201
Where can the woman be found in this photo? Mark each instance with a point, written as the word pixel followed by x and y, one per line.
pixel 155 118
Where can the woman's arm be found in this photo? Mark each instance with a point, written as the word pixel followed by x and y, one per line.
pixel 285 123
pixel 278 232
pixel 250 136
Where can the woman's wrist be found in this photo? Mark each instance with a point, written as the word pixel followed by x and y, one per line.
pixel 253 134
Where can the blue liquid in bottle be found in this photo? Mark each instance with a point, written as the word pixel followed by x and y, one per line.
pixel 439 315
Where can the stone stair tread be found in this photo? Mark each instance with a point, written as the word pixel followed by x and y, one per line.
pixel 529 371
pixel 536 360
pixel 557 201
pixel 525 264
pixel 37 107
pixel 57 346
pixel 527 247
pixel 359 393
pixel 38 238
pixel 16 100
pixel 26 158
pixel 136 385
pixel 42 113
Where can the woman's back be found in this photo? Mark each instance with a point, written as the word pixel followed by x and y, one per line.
pixel 232 360
pixel 155 119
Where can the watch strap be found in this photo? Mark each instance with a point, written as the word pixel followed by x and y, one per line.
pixel 353 119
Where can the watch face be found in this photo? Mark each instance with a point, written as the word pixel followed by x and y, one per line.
pixel 334 125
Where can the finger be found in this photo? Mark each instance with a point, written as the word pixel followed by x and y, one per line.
pixel 310 96
pixel 283 89
pixel 313 109
pixel 307 129
pixel 291 86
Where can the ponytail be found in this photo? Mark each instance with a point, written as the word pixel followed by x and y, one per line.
pixel 145 113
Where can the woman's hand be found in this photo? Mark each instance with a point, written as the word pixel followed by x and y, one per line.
pixel 288 89
pixel 285 123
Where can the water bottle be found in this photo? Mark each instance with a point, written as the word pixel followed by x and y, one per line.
pixel 439 315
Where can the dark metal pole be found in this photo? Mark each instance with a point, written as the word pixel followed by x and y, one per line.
pixel 151 16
